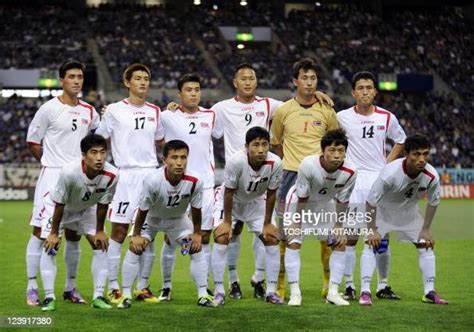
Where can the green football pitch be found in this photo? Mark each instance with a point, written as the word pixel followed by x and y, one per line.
pixel 453 228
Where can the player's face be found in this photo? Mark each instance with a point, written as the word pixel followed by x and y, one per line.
pixel 72 81
pixel 139 83
pixel 176 161
pixel 95 158
pixel 417 159
pixel 306 83
pixel 258 150
pixel 334 155
pixel 245 81
pixel 364 92
pixel 190 94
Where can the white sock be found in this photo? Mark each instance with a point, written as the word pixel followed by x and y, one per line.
pixel 350 265
pixel 233 257
pixel 33 257
pixel 427 264
pixel 367 267
pixel 259 256
pixel 292 267
pixel 337 263
pixel 146 266
pixel 99 272
pixel 72 253
pixel 168 259
pixel 130 269
pixel 113 261
pixel 219 257
pixel 199 273
pixel 206 251
pixel 272 266
pixel 48 273
pixel 383 267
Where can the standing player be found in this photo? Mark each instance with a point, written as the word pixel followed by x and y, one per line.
pixel 195 126
pixel 235 116
pixel 163 205
pixel 321 178
pixel 54 138
pixel 82 185
pixel 368 127
pixel 133 125
pixel 297 128
pixel 392 204
pixel 249 175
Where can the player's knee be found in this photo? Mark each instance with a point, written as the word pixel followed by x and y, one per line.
pixel 271 241
pixel 352 242
pixel 205 237
pixel 37 231
pixel 237 230
pixel 293 245
pixel 119 232
pixel 71 235
pixel 221 239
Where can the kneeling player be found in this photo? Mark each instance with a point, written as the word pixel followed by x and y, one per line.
pixel 393 203
pixel 82 184
pixel 320 179
pixel 249 175
pixel 162 207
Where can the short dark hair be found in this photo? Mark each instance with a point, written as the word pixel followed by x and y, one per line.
pixel 363 75
pixel 244 65
pixel 128 73
pixel 175 144
pixel 256 132
pixel 189 77
pixel 305 64
pixel 336 136
pixel 92 140
pixel 415 142
pixel 70 64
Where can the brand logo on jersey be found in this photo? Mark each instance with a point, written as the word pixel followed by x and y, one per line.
pixel 248 108
pixel 90 184
pixel 100 190
pixel 139 112
pixel 381 127
pixel 317 123
pixel 422 189
pixel 75 113
pixel 151 119
pixel 330 179
pixel 204 125
pixel 415 182
pixel 85 122
pixel 260 113
pixel 366 122
pixel 340 185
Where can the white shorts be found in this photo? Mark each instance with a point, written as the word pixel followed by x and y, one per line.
pixel 319 219
pixel 82 222
pixel 250 213
pixel 357 201
pixel 127 195
pixel 407 223
pixel 176 229
pixel 46 181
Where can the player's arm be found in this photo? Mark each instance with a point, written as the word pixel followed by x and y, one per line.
pixel 36 150
pixel 268 227
pixel 101 240
pixel 53 240
pixel 396 152
pixel 137 242
pixel 276 129
pixel 196 238
pixel 324 98
pixel 425 230
pixel 226 227
pixel 377 192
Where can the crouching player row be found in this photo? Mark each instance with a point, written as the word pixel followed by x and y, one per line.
pixel 78 204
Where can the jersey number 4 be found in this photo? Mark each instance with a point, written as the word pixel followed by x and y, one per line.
pixel 368 133
pixel 409 193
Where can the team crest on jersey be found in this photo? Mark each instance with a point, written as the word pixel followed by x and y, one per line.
pixel 204 125
pixel 151 119
pixel 85 122
pixel 317 122
pixel 381 127
pixel 260 113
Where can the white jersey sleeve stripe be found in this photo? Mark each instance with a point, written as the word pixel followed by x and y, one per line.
pixel 388 118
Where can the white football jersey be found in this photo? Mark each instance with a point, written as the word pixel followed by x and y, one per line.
pixel 133 131
pixel 234 118
pixel 78 192
pixel 195 129
pixel 315 183
pixel 395 193
pixel 166 201
pixel 59 128
pixel 367 136
pixel 250 184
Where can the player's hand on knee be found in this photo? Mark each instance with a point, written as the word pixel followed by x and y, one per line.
pixel 101 241
pixel 426 239
pixel 340 239
pixel 324 98
pixel 270 233
pixel 196 239
pixel 51 242
pixel 374 239
pixel 172 106
pixel 137 244
pixel 223 232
